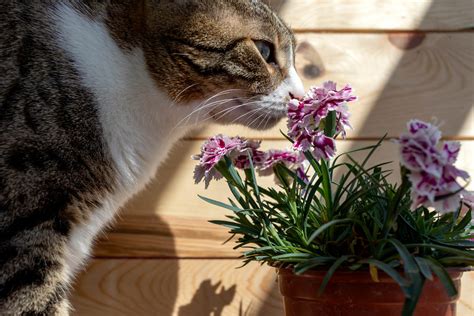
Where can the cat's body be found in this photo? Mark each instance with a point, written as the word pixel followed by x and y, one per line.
pixel 92 97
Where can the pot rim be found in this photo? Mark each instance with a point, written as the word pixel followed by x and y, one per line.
pixel 359 275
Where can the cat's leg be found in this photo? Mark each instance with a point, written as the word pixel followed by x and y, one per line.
pixel 33 273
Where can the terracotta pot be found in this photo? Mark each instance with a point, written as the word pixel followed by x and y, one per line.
pixel 355 294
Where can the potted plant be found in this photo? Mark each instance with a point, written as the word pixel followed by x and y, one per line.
pixel 345 240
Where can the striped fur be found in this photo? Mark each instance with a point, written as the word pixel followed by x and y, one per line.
pixel 93 94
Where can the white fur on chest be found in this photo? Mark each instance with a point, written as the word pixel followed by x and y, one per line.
pixel 136 117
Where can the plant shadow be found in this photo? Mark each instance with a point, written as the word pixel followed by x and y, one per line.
pixel 209 300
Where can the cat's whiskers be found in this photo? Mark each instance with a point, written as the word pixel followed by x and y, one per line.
pixel 209 106
pixel 257 118
pixel 251 113
pixel 264 120
pixel 231 109
pixel 201 106
pixel 196 113
pixel 176 99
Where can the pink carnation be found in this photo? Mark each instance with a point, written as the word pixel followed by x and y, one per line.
pixel 433 176
pixel 292 160
pixel 418 148
pixel 288 158
pixel 252 147
pixel 238 149
pixel 323 147
pixel 212 151
pixel 305 116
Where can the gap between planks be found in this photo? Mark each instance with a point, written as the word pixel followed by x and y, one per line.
pixel 381 31
pixel 164 258
pixel 387 138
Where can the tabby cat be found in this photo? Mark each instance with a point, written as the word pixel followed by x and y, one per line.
pixel 93 94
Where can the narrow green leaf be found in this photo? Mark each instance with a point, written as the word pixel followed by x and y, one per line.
pixel 402 282
pixel 444 249
pixel 443 275
pixel 330 272
pixel 408 261
pixel 220 204
pixel 321 229
pixel 465 221
pixel 424 267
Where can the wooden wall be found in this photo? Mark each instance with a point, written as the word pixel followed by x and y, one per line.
pixel 406 59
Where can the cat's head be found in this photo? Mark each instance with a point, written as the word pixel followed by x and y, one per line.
pixel 234 59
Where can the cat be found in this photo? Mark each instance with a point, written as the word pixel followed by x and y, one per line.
pixel 93 94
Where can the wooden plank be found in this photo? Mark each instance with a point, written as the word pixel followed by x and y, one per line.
pixel 189 287
pixel 434 78
pixel 169 220
pixel 176 287
pixel 168 236
pixel 372 15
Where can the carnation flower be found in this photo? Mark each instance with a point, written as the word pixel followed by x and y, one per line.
pixel 212 151
pixel 433 175
pixel 305 116
pixel 419 150
pixel 252 147
pixel 292 160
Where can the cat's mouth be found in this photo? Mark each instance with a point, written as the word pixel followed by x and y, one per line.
pixel 251 112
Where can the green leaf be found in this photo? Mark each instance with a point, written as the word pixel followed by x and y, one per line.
pixel 444 249
pixel 402 282
pixel 424 268
pixel 456 261
pixel 220 204
pixel 302 267
pixel 411 268
pixel 410 302
pixel 464 222
pixel 304 256
pixel 253 178
pixel 443 275
pixel 330 273
pixel 321 229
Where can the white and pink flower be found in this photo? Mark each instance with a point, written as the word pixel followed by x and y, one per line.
pixel 212 151
pixel 238 149
pixel 305 116
pixel 433 175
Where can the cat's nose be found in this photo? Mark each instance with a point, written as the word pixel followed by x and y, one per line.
pixel 295 84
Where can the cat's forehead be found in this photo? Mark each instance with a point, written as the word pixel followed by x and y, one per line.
pixel 240 14
pixel 257 16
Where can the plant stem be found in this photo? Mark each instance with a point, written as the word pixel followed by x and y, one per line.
pixel 394 207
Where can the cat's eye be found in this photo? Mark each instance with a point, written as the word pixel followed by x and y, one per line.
pixel 266 50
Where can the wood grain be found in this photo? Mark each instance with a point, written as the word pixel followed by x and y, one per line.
pixel 189 288
pixel 406 59
pixel 176 287
pixel 432 80
pixel 373 15
pixel 169 220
